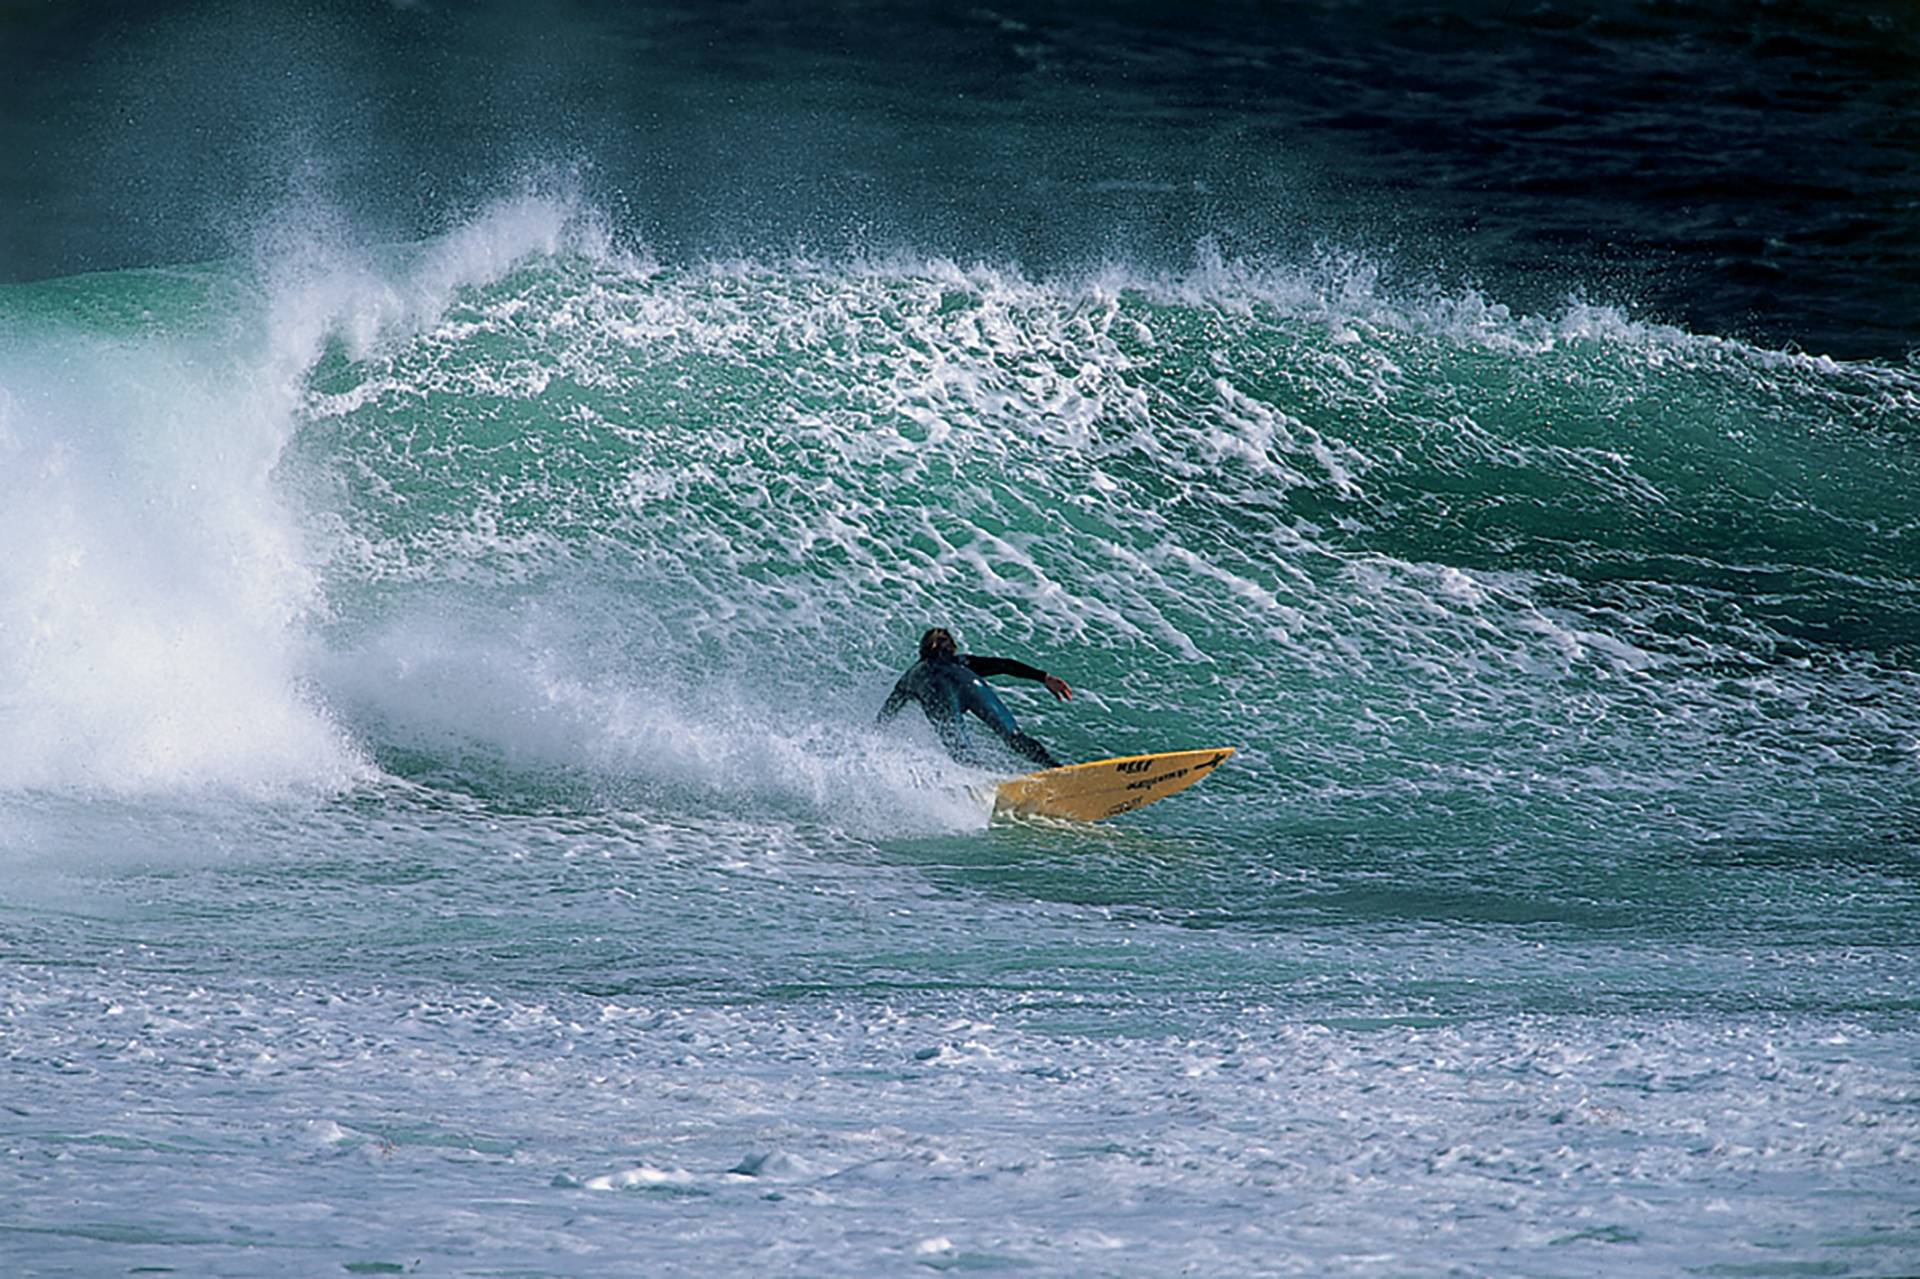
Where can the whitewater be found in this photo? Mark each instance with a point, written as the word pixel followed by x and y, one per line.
pixel 444 828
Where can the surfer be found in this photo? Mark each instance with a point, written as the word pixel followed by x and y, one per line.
pixel 948 684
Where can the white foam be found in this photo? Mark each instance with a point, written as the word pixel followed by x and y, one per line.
pixel 152 577
pixel 513 689
pixel 898 434
pixel 157 579
pixel 902 433
pixel 646 1176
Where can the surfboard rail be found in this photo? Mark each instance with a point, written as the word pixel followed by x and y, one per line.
pixel 1103 788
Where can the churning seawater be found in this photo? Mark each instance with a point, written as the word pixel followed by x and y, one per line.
pixel 445 826
pixel 443 830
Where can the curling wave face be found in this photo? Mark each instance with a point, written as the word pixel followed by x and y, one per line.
pixel 518 499
pixel 429 677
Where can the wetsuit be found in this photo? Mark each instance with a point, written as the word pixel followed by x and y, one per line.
pixel 949 687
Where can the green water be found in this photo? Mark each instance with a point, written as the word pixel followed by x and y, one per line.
pixel 441 786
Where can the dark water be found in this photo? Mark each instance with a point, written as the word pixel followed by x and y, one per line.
pixel 1745 170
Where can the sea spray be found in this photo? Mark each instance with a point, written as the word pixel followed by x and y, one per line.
pixel 510 813
pixel 443 825
pixel 154 577
pixel 159 580
pixel 1358 533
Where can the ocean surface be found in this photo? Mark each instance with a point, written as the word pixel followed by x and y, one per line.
pixel 470 474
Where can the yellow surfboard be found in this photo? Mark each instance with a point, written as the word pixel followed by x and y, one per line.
pixel 1106 787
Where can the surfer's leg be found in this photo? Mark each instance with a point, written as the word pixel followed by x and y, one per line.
pixel 989 708
pixel 1032 750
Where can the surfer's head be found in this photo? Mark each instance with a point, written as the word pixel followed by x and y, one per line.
pixel 938 642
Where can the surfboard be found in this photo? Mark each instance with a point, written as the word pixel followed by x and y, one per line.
pixel 1106 787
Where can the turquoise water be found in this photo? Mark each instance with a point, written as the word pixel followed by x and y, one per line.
pixel 469 476
pixel 445 831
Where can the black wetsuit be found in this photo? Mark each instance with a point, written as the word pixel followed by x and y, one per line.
pixel 947 688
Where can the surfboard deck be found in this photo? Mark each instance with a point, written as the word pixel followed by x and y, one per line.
pixel 1106 788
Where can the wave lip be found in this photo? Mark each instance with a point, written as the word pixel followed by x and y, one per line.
pixel 158 582
pixel 242 529
pixel 152 579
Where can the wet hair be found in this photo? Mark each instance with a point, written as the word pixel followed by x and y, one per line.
pixel 938 642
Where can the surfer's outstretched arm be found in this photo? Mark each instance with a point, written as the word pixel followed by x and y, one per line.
pixel 987 667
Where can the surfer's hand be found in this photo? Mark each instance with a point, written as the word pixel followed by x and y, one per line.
pixel 1058 687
